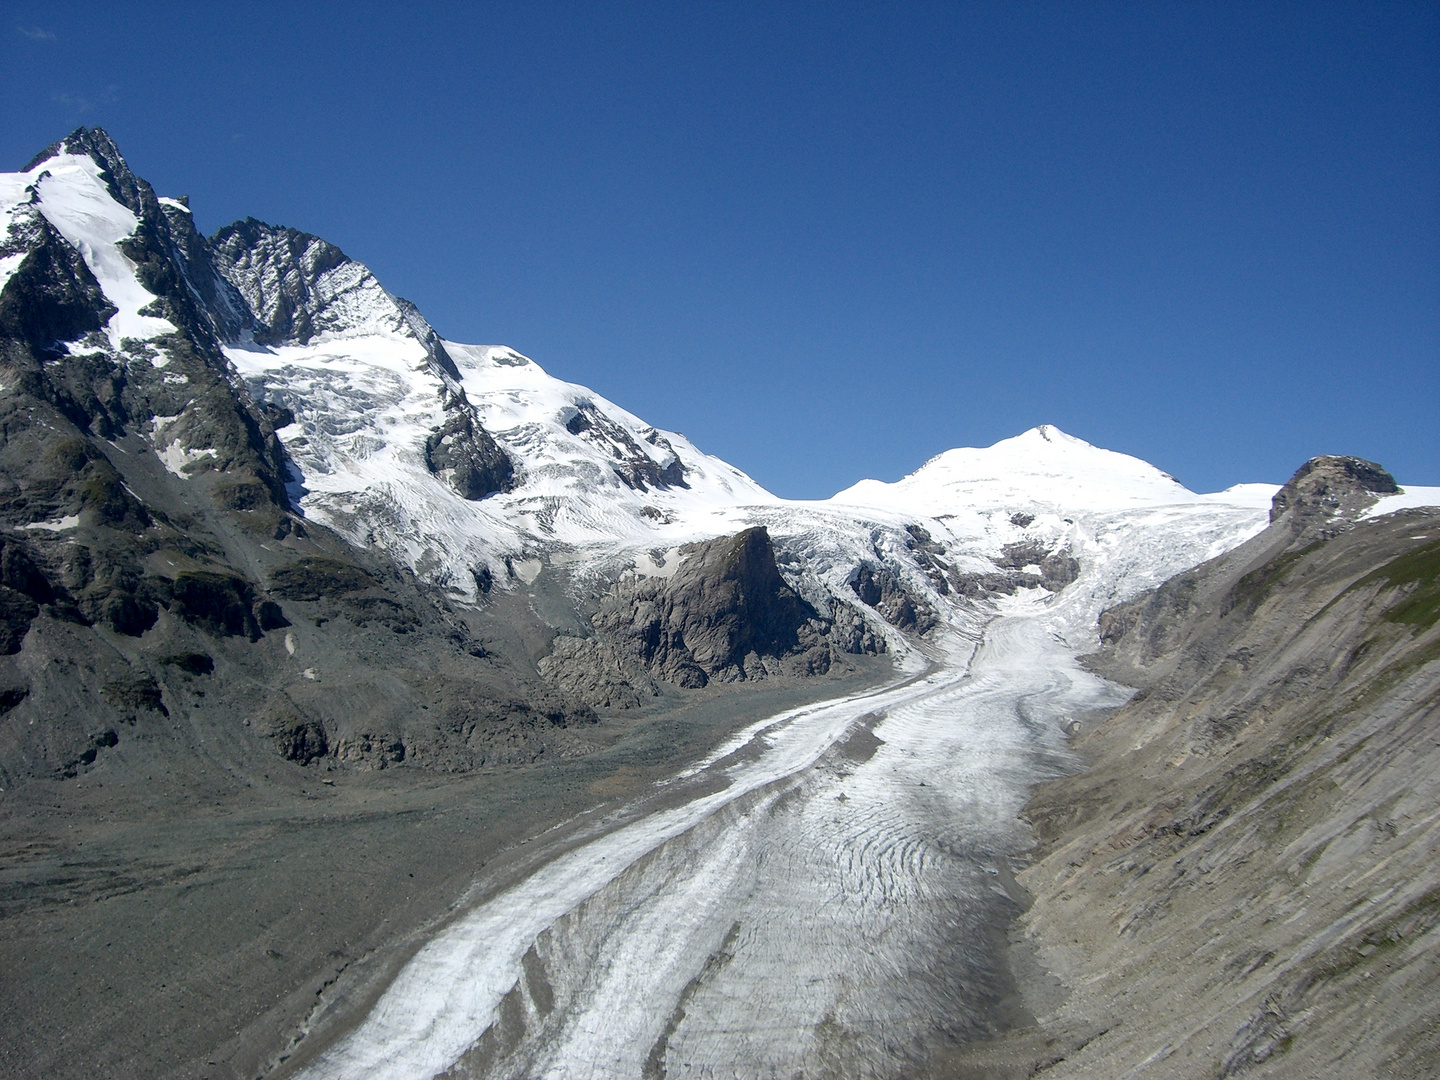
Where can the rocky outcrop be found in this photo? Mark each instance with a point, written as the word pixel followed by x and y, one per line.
pixel 595 672
pixel 877 587
pixel 725 606
pixel 295 285
pixel 463 454
pixel 635 467
pixel 1328 488
pixel 1245 868
pixel 726 615
pixel 1028 564
pixel 52 297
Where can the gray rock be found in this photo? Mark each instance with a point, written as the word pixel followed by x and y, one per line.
pixel 1330 487
pixel 465 456
pixel 726 615
pixel 882 590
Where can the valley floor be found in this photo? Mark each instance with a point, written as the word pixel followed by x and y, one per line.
pixel 153 928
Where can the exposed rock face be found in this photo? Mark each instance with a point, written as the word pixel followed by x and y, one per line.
pixel 463 454
pixel 295 285
pixel 595 672
pixel 1331 487
pixel 726 615
pixel 725 603
pixel 1052 570
pixel 880 589
pixel 53 297
pixel 1246 867
pixel 635 468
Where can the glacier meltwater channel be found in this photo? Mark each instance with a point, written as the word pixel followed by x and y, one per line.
pixel 827 912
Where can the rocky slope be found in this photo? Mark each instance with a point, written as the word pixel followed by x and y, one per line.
pixel 1242 880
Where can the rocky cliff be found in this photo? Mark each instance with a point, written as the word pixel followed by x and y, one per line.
pixel 724 615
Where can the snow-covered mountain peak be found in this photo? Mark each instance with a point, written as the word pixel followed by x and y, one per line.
pixel 1039 470
pixel 301 288
pixel 80 197
pixel 459 460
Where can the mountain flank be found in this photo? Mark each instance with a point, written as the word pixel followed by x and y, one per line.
pixel 1241 881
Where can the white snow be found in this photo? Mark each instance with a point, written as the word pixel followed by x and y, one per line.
pixel 1410 497
pixel 1258 496
pixel 70 521
pixel 75 200
pixel 366 402
pixel 1043 468
pixel 9 264
pixel 174 204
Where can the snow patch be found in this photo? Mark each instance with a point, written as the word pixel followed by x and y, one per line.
pixel 1410 498
pixel 9 264
pixel 70 522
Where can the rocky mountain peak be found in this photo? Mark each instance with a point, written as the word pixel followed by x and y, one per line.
pixel 281 272
pixel 124 185
pixel 1331 486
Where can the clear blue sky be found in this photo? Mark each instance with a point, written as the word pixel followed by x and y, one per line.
pixel 828 241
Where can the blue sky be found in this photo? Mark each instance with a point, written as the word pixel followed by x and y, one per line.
pixel 829 241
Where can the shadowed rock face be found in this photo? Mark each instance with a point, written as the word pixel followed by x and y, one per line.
pixel 879 588
pixel 726 615
pixel 280 273
pixel 463 454
pixel 725 602
pixel 1331 486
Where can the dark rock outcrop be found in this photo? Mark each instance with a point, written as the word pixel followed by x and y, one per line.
pixel 52 297
pixel 281 274
pixel 725 615
pixel 1330 487
pixel 882 590
pixel 635 468
pixel 726 602
pixel 1053 571
pixel 217 603
pixel 465 456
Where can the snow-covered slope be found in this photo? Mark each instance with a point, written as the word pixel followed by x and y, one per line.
pixel 69 191
pixel 1044 487
pixel 587 473
pixel 1042 468
pixel 1410 497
